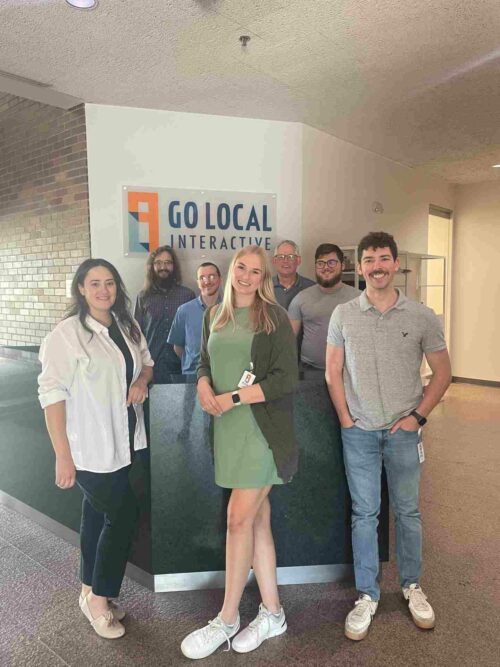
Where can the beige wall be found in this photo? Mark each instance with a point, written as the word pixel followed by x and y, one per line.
pixel 340 184
pixel 475 323
pixel 137 147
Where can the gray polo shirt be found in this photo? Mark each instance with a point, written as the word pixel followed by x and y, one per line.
pixel 313 308
pixel 284 295
pixel 383 355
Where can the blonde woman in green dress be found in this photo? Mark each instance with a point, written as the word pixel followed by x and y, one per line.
pixel 246 378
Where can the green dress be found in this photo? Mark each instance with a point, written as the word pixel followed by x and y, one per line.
pixel 243 459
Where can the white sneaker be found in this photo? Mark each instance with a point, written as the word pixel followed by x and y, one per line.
pixel 421 611
pixel 359 618
pixel 203 642
pixel 264 626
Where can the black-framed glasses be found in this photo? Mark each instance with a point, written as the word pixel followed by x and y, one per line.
pixel 330 263
pixel 290 258
pixel 163 262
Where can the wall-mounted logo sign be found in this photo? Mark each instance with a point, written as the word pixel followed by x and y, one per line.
pixel 196 220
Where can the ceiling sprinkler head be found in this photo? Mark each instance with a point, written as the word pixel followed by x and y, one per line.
pixel 244 39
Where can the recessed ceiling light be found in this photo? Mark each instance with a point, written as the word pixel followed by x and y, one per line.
pixel 495 166
pixel 83 4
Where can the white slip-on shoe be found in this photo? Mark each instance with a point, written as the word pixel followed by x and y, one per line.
pixel 420 610
pixel 264 626
pixel 358 620
pixel 203 642
pixel 105 625
pixel 118 613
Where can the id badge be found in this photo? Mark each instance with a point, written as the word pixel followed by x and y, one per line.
pixel 247 379
pixel 420 447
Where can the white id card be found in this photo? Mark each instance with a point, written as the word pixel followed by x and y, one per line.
pixel 247 379
pixel 420 447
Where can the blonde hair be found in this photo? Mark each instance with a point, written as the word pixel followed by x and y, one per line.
pixel 260 316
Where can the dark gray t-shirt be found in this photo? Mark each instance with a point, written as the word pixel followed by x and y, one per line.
pixel 313 308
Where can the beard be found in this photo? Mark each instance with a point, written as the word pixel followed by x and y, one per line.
pixel 164 281
pixel 329 282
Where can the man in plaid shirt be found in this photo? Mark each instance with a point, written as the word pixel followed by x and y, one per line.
pixel 157 305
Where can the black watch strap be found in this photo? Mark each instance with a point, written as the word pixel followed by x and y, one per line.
pixel 420 420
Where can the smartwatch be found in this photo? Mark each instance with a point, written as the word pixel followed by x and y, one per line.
pixel 236 398
pixel 420 420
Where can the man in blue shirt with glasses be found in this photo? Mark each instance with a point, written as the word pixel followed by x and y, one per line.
pixel 185 333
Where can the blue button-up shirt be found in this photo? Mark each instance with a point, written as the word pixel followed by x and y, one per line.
pixel 186 332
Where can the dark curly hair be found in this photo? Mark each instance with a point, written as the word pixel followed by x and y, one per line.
pixel 377 240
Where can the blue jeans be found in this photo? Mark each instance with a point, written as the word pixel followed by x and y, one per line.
pixel 364 453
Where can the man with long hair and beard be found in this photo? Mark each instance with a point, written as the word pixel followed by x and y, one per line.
pixel 311 309
pixel 157 305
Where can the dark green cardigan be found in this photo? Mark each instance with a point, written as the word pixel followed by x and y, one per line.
pixel 274 358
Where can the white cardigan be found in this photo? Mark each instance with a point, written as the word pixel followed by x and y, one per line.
pixel 88 372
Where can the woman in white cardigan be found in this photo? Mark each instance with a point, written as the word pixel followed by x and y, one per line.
pixel 96 368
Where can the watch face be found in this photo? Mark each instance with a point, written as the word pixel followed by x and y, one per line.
pixel 236 398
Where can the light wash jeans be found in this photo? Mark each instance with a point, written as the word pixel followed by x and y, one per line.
pixel 364 453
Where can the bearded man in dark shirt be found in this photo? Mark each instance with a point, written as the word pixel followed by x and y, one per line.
pixel 157 305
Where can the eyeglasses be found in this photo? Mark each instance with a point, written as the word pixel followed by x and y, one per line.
pixel 166 262
pixel 208 279
pixel 290 258
pixel 330 263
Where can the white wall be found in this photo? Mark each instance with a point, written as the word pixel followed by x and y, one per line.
pixel 340 184
pixel 475 323
pixel 143 147
pixel 325 187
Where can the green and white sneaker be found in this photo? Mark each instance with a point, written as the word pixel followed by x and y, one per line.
pixel 264 626
pixel 203 642
pixel 358 620
pixel 420 610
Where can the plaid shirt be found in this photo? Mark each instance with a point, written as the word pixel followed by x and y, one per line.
pixel 155 313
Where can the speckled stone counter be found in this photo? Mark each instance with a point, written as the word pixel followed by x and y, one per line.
pixel 180 542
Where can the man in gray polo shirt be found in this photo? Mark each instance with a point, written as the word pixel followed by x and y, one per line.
pixel 374 353
pixel 310 311
pixel 287 282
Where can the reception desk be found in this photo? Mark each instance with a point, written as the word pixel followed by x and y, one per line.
pixel 180 540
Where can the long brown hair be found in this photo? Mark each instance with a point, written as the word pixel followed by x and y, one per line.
pixel 261 318
pixel 150 282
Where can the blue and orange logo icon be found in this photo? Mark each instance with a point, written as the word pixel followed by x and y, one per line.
pixel 143 223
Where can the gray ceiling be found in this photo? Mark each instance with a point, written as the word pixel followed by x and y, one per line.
pixel 417 81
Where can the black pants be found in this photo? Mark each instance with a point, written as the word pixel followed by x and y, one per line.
pixel 109 517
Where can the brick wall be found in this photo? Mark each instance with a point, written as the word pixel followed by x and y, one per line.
pixel 44 214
